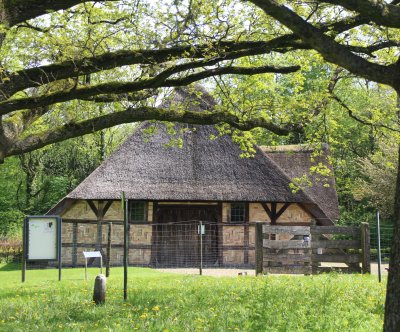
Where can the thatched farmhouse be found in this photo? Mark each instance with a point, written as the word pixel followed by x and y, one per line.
pixel 170 189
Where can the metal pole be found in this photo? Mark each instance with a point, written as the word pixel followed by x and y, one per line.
pixel 201 248
pixel 24 245
pixel 125 206
pixel 378 228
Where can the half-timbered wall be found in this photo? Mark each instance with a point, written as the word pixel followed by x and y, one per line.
pixel 82 231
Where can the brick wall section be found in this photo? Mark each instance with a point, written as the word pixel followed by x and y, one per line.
pixel 66 255
pixel 80 210
pixel 140 234
pixel 233 235
pixel 114 212
pixel 139 256
pixel 87 233
pixel 66 232
pixel 233 257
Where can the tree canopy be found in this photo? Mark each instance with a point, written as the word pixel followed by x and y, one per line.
pixel 64 56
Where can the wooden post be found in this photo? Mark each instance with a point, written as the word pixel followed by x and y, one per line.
pixel 99 292
pixel 59 244
pixel 85 268
pixel 259 248
pixel 108 250
pixel 365 246
pixel 24 246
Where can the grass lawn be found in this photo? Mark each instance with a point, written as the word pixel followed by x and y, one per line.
pixel 169 302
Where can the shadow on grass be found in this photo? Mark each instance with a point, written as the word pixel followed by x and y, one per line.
pixel 10 267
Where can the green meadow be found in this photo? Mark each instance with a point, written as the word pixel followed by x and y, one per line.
pixel 159 301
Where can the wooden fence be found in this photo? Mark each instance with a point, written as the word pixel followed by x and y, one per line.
pixel 312 249
pixel 10 250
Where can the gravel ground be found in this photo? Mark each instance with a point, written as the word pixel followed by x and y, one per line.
pixel 236 272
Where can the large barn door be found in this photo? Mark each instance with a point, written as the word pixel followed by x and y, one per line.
pixel 177 242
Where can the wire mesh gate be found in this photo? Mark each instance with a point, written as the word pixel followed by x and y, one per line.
pixel 185 244
pixel 162 244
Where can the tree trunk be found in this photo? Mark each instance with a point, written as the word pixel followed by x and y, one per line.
pixel 392 305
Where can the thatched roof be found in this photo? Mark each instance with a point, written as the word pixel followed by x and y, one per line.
pixel 201 170
pixel 297 162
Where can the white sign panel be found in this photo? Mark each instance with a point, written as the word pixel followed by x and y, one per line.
pixel 201 229
pixel 42 238
pixel 91 254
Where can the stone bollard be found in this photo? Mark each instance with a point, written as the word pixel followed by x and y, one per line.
pixel 99 292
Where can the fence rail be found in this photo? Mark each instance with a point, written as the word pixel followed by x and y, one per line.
pixel 305 249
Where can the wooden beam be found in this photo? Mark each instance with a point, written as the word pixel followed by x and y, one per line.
pixel 273 213
pixel 106 207
pixel 259 248
pixel 74 251
pixel 220 235
pixel 246 234
pixel 282 210
pixel 267 210
pixel 93 207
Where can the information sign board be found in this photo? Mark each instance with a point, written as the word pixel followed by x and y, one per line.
pixel 42 238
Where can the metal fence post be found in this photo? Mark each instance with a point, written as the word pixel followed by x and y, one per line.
pixel 378 229
pixel 259 248
pixel 201 247
pixel 365 246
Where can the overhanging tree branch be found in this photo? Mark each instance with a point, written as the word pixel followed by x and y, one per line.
pixel 13 82
pixel 14 12
pixel 230 50
pixel 36 141
pixel 376 10
pixel 327 47
pixel 158 81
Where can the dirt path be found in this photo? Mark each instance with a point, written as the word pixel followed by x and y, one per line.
pixel 236 272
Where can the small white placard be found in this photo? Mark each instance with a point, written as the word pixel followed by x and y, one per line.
pixel 91 254
pixel 42 238
pixel 201 229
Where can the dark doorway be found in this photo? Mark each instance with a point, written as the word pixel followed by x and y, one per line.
pixel 176 239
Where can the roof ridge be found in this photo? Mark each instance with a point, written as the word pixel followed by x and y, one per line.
pixel 304 147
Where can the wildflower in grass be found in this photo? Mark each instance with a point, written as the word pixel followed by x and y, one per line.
pixel 144 315
pixel 156 308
